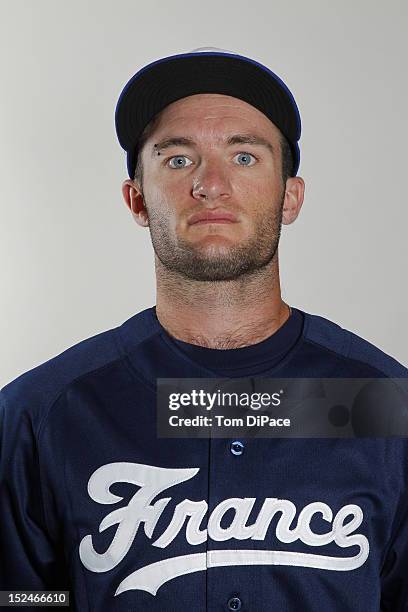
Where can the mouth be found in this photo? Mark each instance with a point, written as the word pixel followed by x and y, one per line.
pixel 212 216
pixel 213 221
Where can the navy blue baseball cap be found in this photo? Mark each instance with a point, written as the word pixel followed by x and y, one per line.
pixel 203 70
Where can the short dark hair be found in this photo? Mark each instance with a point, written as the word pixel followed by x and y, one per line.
pixel 287 155
pixel 287 158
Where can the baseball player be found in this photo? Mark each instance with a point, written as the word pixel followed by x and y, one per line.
pixel 93 501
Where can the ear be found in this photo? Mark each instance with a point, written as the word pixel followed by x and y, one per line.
pixel 294 194
pixel 132 194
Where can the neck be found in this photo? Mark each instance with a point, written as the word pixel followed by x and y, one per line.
pixel 222 314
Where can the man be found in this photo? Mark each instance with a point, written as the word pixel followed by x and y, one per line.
pixel 92 500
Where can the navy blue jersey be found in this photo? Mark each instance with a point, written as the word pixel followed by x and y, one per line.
pixel 93 502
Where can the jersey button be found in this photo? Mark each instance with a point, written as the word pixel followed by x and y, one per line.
pixel 237 448
pixel 234 603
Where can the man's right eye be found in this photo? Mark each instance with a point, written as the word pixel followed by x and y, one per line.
pixel 179 161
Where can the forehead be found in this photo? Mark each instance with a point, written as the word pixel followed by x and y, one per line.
pixel 214 111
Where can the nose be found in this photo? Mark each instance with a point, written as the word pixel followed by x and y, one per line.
pixel 211 182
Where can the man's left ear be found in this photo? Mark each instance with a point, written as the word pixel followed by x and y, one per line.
pixel 294 194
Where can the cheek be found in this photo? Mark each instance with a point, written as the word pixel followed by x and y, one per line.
pixel 161 203
pixel 157 196
pixel 169 187
pixel 259 191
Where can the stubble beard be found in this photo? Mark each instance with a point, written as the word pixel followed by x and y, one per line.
pixel 215 263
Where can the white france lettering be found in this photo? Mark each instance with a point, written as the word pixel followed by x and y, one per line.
pixel 153 480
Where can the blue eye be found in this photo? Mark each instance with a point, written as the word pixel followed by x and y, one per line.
pixel 245 158
pixel 179 161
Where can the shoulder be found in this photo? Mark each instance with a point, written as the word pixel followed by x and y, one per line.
pixel 36 389
pixel 350 347
pixel 41 384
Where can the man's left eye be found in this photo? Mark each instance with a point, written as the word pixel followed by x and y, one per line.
pixel 245 159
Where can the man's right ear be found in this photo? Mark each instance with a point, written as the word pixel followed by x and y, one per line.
pixel 133 197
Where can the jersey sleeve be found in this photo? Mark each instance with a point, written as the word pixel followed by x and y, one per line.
pixel 394 574
pixel 29 558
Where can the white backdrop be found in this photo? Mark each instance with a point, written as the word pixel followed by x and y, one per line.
pixel 74 263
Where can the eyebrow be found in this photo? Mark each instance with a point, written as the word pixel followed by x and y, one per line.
pixel 177 141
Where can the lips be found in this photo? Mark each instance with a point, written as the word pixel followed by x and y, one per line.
pixel 209 216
